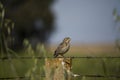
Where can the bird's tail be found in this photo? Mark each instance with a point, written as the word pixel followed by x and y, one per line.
pixel 55 54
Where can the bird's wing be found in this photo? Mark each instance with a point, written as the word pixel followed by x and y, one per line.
pixel 60 48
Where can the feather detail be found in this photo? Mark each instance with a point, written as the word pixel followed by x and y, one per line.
pixel 63 47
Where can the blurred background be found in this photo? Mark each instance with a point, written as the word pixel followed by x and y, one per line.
pixel 92 25
pixel 85 21
pixel 33 20
pixel 49 21
pixel 27 25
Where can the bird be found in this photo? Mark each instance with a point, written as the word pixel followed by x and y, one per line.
pixel 63 47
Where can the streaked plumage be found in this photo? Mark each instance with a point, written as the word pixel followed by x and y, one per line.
pixel 63 47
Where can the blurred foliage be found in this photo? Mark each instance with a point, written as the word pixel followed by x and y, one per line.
pixel 117 20
pixel 29 68
pixel 34 20
pixel 6 27
pixel 36 71
pixel 12 67
pixel 116 16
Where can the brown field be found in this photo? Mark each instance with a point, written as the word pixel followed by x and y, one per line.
pixel 91 49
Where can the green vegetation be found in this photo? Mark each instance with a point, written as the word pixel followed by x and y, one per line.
pixel 34 68
pixel 93 66
pixel 24 64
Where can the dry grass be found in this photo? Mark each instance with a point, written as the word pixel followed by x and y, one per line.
pixel 91 49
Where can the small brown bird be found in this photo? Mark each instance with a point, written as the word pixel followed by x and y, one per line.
pixel 63 47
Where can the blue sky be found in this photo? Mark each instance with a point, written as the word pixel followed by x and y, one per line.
pixel 85 21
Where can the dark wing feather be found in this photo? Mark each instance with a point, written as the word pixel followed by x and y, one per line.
pixel 55 54
pixel 58 50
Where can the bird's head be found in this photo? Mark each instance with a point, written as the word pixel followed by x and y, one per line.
pixel 67 39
